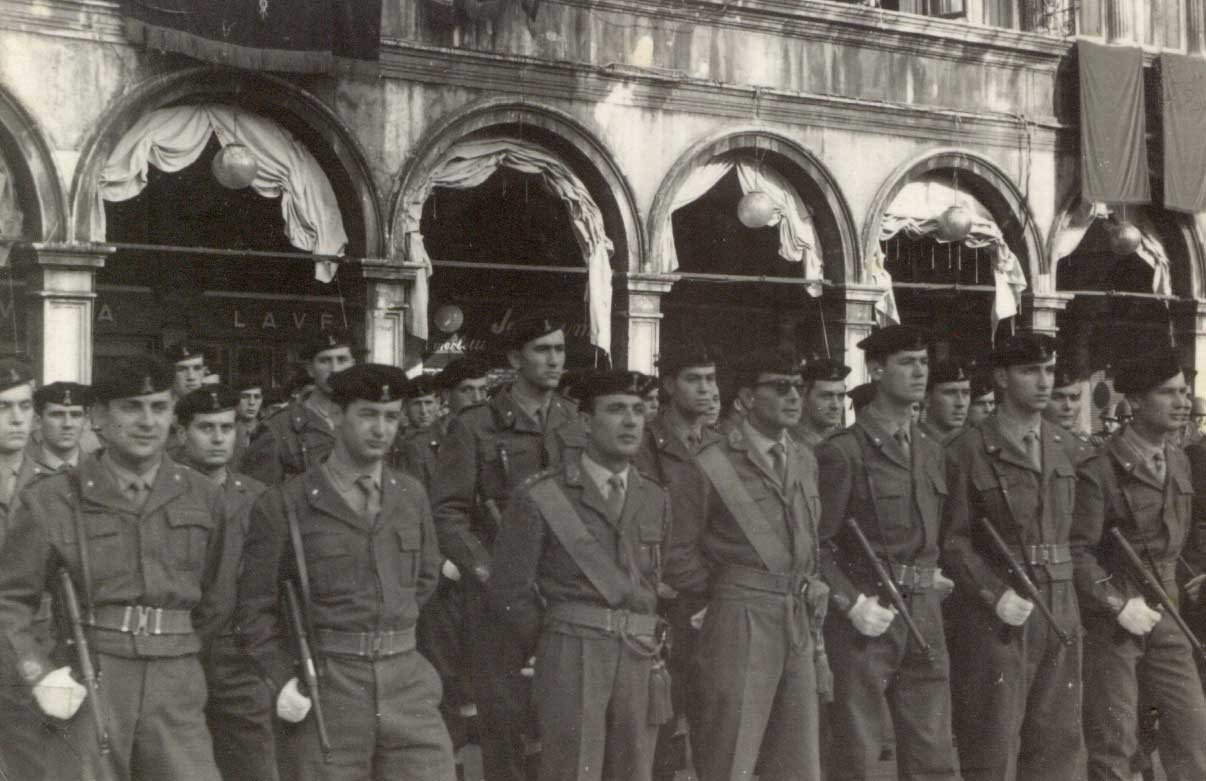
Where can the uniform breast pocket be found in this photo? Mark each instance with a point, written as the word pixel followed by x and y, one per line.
pixel 651 539
pixel 329 562
pixel 410 544
pixel 189 531
pixel 106 554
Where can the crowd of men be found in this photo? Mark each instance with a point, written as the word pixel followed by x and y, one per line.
pixel 602 574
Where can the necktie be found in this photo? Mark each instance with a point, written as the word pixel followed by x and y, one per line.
pixel 615 498
pixel 540 418
pixel 902 439
pixel 693 440
pixel 779 461
pixel 1031 443
pixel 372 501
pixel 1158 466
pixel 137 490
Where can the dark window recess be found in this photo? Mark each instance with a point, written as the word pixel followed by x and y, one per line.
pixel 928 261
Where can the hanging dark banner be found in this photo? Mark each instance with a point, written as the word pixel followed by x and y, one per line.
pixel 1113 144
pixel 1183 87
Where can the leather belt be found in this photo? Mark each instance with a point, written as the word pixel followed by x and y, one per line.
pixel 1047 553
pixel 912 578
pixel 141 620
pixel 782 583
pixel 368 645
pixel 804 597
pixel 616 622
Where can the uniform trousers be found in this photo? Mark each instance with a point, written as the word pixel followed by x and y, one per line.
pixel 383 720
pixel 26 734
pixel 592 702
pixel 440 634
pixel 1120 671
pixel 1016 691
pixel 240 714
pixel 871 671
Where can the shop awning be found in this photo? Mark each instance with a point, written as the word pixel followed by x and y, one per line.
pixel 1183 88
pixel 1113 141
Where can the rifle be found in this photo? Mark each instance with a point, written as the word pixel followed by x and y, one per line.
pixel 1145 578
pixel 309 669
pixel 889 585
pixel 84 657
pixel 1024 580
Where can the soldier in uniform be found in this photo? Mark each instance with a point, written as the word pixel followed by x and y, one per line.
pixel 752 554
pixel 947 399
pixel 983 398
pixel 1140 484
pixel 141 538
pixel 890 477
pixel 489 450
pixel 1197 419
pixel 247 415
pixel 464 382
pixel 861 396
pixel 1015 685
pixel 824 401
pixel 188 362
pixel 61 410
pixel 356 537
pixel 301 435
pixel 415 451
pixel 1067 400
pixel 588 611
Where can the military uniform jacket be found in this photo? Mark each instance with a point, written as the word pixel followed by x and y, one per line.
pixel 287 443
pixel 665 457
pixel 706 543
pixel 989 476
pixel 533 568
pixel 31 470
pixel 239 494
pixel 490 449
pixel 165 555
pixel 1117 488
pixel 416 452
pixel 365 575
pixel 864 474
pixel 936 435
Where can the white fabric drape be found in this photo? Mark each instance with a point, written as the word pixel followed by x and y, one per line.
pixel 12 220
pixel 470 163
pixel 1075 223
pixel 797 235
pixel 173 138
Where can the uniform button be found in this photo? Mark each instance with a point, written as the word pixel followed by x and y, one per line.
pixel 314 492
pixel 90 483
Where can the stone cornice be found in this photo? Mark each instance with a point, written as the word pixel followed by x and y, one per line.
pixel 90 20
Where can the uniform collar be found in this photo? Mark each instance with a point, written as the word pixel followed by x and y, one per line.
pixel 601 474
pixel 1015 430
pixel 320 406
pixel 124 478
pixel 1146 450
pixel 344 475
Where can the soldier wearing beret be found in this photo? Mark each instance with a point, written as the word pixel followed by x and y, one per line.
pixel 61 417
pixel 1016 686
pixel 489 450
pixel 861 396
pixel 302 434
pixel 464 383
pixel 824 400
pixel 1067 400
pixel 416 448
pixel 947 400
pixel 890 477
pixel 141 538
pixel 188 365
pixel 357 539
pixel 1140 484
pixel 588 612
pixel 751 553
pixel 983 397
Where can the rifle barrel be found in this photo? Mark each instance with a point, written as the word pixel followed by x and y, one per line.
pixel 309 669
pixel 889 585
pixel 1024 580
pixel 1149 580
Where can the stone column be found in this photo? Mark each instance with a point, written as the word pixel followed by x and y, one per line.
pixel 645 293
pixel 1040 312
pixel 386 285
pixel 60 284
pixel 1195 26
pixel 849 318
pixel 1189 333
pixel 1120 21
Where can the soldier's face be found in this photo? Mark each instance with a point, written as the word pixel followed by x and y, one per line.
pixel 467 393
pixel 947 404
pixel 16 417
pixel 367 428
pixel 823 403
pixel 1064 408
pixel 615 424
pixel 541 361
pixel 62 425
pixel 774 402
pixel 136 428
pixel 652 404
pixel 691 390
pixel 328 362
pixel 189 375
pixel 981 408
pixel 1027 386
pixel 902 376
pixel 423 410
pixel 250 402
pixel 1164 408
pixel 209 439
pixel 712 416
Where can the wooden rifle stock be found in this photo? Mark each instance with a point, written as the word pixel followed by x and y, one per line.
pixel 1024 580
pixel 1152 584
pixel 889 585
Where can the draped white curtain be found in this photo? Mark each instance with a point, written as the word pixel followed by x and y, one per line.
pixel 173 138
pixel 12 220
pixel 797 236
pixel 470 163
pixel 1075 223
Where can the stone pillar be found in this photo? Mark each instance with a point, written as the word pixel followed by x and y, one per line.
pixel 1195 26
pixel 1120 21
pixel 644 327
pixel 1040 312
pixel 1189 334
pixel 849 318
pixel 60 284
pixel 386 285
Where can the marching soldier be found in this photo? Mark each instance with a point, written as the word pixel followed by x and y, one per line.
pixel 752 554
pixel 141 538
pixel 247 416
pixel 188 362
pixel 356 540
pixel 824 401
pixel 1139 484
pixel 947 399
pixel 61 410
pixel 490 449
pixel 300 436
pixel 578 565
pixel 889 476
pixel 239 710
pixel 983 398
pixel 1016 685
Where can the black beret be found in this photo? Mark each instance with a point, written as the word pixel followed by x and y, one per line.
pixel 205 400
pixel 182 351
pixel 250 383
pixel 681 356
pixel 862 395
pixel 824 370
pixel 649 384
pixel 981 383
pixel 68 394
pixel 765 361
pixel 373 382
pixel 894 339
pixel 1066 375
pixel 14 373
pixel 460 370
pixel 423 385
pixel 1139 375
pixel 528 328
pixel 950 370
pixel 327 340
pixel 568 384
pixel 134 375
pixel 1022 349
pixel 594 384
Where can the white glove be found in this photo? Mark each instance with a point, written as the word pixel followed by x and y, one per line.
pixel 869 617
pixel 942 584
pixel 1012 609
pixel 698 619
pixel 450 571
pixel 291 705
pixel 1137 618
pixel 529 669
pixel 58 694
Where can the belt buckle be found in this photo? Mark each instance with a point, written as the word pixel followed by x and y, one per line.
pixel 150 620
pixel 376 645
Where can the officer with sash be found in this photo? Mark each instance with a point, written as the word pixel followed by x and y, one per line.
pixel 1016 685
pixel 947 399
pixel 1135 656
pixel 356 539
pixel 760 662
pixel 890 477
pixel 577 567
pixel 824 401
